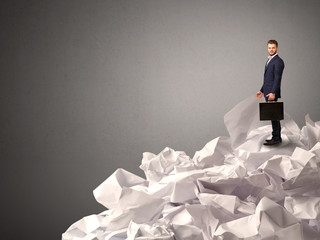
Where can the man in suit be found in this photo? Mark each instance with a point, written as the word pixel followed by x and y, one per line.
pixel 271 86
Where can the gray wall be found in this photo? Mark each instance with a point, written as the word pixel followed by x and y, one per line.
pixel 88 86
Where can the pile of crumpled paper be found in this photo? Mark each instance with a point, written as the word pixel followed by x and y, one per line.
pixel 234 188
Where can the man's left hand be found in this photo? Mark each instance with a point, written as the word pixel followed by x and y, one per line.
pixel 271 96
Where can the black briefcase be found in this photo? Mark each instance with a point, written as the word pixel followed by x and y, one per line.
pixel 271 110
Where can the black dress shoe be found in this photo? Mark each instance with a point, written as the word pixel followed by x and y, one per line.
pixel 268 140
pixel 273 142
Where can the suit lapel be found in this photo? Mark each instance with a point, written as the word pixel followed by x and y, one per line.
pixel 275 57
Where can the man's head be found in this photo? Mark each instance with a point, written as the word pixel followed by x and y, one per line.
pixel 272 47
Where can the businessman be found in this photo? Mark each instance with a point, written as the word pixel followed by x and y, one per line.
pixel 271 86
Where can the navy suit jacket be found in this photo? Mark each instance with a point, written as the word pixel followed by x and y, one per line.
pixel 272 77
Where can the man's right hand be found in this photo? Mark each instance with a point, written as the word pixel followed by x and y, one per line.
pixel 259 95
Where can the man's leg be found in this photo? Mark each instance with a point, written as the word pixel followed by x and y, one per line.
pixel 276 130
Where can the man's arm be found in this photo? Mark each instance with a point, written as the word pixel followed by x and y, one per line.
pixel 278 70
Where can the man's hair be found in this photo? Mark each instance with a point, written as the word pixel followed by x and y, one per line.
pixel 273 42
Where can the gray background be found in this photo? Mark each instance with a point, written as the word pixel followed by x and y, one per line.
pixel 88 86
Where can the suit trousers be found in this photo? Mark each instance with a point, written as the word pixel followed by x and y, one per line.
pixel 276 130
pixel 276 127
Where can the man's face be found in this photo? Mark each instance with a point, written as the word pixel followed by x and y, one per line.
pixel 272 49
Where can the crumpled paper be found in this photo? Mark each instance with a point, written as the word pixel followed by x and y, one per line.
pixel 234 188
pixel 270 221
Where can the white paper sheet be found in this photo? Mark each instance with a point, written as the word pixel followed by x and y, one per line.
pixel 233 188
pixel 151 232
pixel 108 193
pixel 270 221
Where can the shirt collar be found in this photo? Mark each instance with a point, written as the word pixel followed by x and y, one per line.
pixel 270 57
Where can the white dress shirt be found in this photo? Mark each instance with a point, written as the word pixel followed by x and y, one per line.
pixel 270 57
